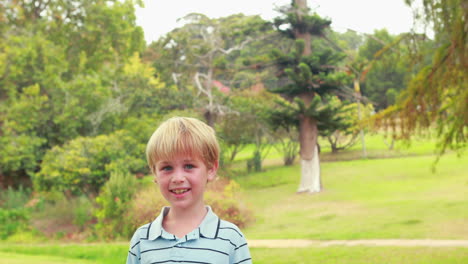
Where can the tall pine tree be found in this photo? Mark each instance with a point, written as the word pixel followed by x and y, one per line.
pixel 307 77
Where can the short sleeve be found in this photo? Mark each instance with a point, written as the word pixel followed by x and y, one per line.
pixel 242 252
pixel 134 250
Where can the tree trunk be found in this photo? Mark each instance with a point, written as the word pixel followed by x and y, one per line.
pixel 210 113
pixel 310 164
pixel 310 174
pixel 308 131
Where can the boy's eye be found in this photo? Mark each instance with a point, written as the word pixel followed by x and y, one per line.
pixel 189 166
pixel 166 168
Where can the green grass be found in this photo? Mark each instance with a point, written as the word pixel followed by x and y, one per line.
pixel 371 198
pixel 113 253
pixel 14 258
pixel 360 255
pixel 363 199
pixel 75 253
pixel 375 149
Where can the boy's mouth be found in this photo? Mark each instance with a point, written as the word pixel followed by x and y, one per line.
pixel 180 191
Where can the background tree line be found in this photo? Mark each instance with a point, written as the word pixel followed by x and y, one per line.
pixel 80 90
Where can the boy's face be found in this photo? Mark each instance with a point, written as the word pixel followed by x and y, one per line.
pixel 182 180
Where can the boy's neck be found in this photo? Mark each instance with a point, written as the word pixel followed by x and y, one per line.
pixel 181 222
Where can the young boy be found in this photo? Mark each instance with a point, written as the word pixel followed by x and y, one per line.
pixel 183 155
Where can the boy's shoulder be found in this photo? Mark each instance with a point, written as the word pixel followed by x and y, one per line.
pixel 229 229
pixel 143 231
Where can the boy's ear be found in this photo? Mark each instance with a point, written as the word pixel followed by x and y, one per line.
pixel 212 171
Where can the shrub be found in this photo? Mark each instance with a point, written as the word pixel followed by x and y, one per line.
pixel 83 165
pixel 82 212
pixel 11 198
pixel 62 217
pixel 223 196
pixel 13 220
pixel 145 207
pixel 114 200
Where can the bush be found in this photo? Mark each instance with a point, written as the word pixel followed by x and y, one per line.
pixel 83 165
pixel 82 212
pixel 114 200
pixel 62 217
pixel 12 220
pixel 11 198
pixel 222 195
pixel 145 207
pixel 224 198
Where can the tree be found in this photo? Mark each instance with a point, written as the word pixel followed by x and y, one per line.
pixel 203 52
pixel 385 67
pixel 309 77
pixel 84 164
pixel 284 126
pixel 344 125
pixel 437 94
pixel 59 61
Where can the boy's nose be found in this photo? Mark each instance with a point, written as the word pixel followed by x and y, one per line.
pixel 178 177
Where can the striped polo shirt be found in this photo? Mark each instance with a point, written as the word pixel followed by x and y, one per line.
pixel 215 241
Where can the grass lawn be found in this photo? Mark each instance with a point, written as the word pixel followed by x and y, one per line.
pixel 112 253
pixel 385 198
pixel 13 258
pixel 362 199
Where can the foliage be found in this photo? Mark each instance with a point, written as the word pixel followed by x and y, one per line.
pixel 59 66
pixel 308 73
pixel 83 165
pixel 82 212
pixel 11 198
pixel 437 94
pixel 224 197
pixel 299 22
pixel 13 220
pixel 60 217
pixel 114 201
pixel 235 132
pixel 253 108
pixel 343 128
pixel 386 68
pixel 144 207
pixel 206 55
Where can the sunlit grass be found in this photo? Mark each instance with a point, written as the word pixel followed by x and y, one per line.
pixel 107 253
pixel 14 258
pixel 359 255
pixel 387 198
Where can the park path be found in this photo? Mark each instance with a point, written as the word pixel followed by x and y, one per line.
pixel 301 243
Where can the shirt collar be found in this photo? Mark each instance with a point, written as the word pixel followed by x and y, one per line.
pixel 208 228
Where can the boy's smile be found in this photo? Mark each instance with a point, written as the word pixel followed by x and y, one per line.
pixel 182 181
pixel 180 191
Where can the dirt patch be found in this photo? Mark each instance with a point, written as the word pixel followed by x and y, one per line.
pixel 301 243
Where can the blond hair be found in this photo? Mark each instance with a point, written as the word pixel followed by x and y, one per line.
pixel 182 135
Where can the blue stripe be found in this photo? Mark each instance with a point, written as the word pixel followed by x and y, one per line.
pixel 228 241
pixel 224 253
pixel 147 233
pixel 135 244
pixel 180 261
pixel 232 229
pixel 244 260
pixel 241 246
pixel 155 249
pixel 217 228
